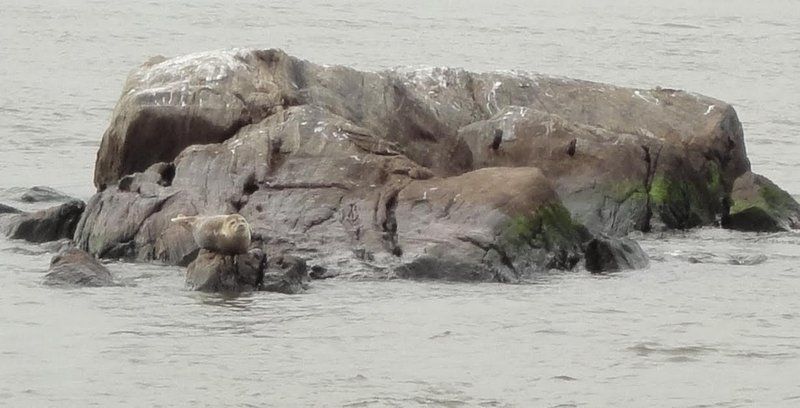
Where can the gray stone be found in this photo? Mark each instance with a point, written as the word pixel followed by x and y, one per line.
pixel 46 225
pixel 5 209
pixel 38 194
pixel 286 274
pixel 74 267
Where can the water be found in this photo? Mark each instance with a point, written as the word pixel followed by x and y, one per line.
pixel 715 320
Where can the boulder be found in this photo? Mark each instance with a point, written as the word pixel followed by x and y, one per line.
pixel 38 194
pixel 403 172
pixel 4 209
pixel 213 272
pixel 74 267
pixel 285 274
pixel 493 224
pixel 46 225
pixel 608 254
pixel 758 205
pixel 319 272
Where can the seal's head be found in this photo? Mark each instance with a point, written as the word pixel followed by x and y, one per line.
pixel 235 224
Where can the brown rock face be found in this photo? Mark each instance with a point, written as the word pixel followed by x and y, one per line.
pixel 438 173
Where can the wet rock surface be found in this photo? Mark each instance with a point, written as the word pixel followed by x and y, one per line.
pixel 38 194
pixel 286 274
pixel 213 272
pixel 74 267
pixel 606 254
pixel 5 209
pixel 404 173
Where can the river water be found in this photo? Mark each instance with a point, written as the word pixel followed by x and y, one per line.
pixel 714 321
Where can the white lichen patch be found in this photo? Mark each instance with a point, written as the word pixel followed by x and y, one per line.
pixel 491 97
pixel 430 80
pixel 204 67
pixel 647 98
pixel 175 82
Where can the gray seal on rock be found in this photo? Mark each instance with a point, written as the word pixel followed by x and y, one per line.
pixel 225 234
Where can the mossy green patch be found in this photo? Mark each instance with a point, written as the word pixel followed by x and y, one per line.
pixel 777 198
pixel 550 227
pixel 660 190
pixel 715 178
pixel 627 190
pixel 678 203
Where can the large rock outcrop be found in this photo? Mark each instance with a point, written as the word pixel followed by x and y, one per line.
pixel 413 173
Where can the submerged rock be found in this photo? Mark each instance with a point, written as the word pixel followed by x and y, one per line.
pixel 74 267
pixel 46 225
pixel 432 173
pixel 286 274
pixel 605 254
pixel 213 272
pixel 38 194
pixel 5 209
pixel 758 205
pixel 318 272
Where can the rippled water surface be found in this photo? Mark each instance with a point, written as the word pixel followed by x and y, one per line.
pixel 714 322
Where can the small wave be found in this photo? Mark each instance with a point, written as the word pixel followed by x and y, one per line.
pixel 565 378
pixel 682 359
pixel 646 349
pixel 440 335
pixel 763 356
pixel 681 25
pixel 748 260
pixel 608 311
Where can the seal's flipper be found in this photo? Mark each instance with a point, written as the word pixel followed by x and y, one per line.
pixel 184 219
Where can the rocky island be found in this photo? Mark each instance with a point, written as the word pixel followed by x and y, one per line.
pixel 433 173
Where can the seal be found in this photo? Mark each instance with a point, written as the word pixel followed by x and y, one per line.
pixel 225 234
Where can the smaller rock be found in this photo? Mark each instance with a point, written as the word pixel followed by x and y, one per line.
pixel 74 267
pixel 38 194
pixel 758 205
pixel 213 272
pixel 286 274
pixel 58 246
pixel 605 254
pixel 4 209
pixel 319 272
pixel 46 225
